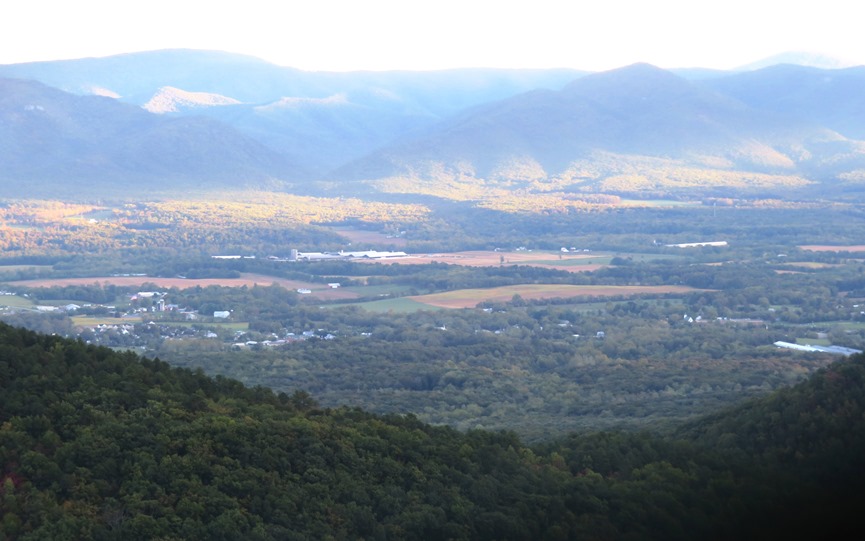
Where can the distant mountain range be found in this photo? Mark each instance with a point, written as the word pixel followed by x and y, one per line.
pixel 53 142
pixel 799 58
pixel 201 119
pixel 645 124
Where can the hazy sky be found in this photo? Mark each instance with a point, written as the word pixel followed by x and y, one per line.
pixel 435 34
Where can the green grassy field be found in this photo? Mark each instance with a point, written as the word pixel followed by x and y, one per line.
pixel 846 325
pixel 16 268
pixel 383 289
pixel 98 214
pixel 89 321
pixel 400 305
pixel 813 342
pixel 15 301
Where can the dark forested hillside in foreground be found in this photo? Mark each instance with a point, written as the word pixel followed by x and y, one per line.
pixel 96 444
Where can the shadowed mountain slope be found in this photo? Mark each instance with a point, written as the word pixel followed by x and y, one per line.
pixel 639 110
pixel 320 119
pixel 55 142
pixel 830 98
pixel 635 130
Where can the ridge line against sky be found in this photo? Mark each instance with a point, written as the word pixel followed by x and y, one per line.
pixel 347 35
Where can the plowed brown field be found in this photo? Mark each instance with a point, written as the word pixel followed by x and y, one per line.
pixel 468 298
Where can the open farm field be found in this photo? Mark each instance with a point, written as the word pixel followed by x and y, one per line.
pixel 382 290
pixel 569 262
pixel 831 248
pixel 320 291
pixel 14 301
pixel 18 268
pixel 813 342
pixel 811 265
pixel 467 298
pixel 846 325
pixel 399 305
pixel 93 321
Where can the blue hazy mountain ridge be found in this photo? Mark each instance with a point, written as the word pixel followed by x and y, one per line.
pixel 638 110
pixel 319 119
pixel 136 77
pixel 270 124
pixel 56 142
pixel 799 58
pixel 831 98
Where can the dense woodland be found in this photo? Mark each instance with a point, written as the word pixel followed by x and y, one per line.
pixel 96 444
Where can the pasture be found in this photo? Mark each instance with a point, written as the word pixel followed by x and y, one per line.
pixel 399 305
pixel 14 301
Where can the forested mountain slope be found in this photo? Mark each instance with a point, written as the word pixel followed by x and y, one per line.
pixel 96 444
pixel 317 119
pixel 830 98
pixel 630 129
pixel 53 142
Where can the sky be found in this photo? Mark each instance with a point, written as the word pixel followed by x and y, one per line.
pixel 347 35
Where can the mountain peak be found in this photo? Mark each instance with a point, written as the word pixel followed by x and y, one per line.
pixel 634 82
pixel 642 72
pixel 800 58
pixel 169 99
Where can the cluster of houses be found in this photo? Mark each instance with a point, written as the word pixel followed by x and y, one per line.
pixel 289 338
pixel 128 334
